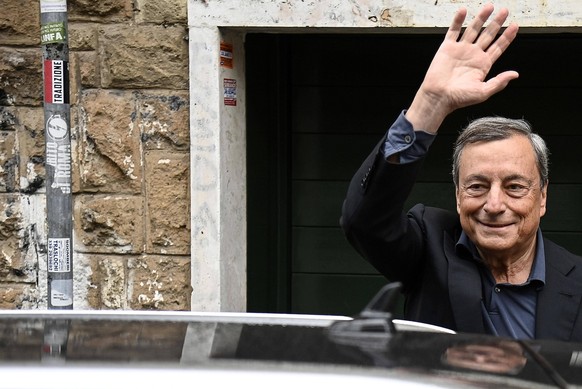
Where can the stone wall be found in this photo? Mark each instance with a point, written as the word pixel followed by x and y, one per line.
pixel 130 138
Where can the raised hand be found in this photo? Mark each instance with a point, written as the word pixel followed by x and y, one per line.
pixel 456 75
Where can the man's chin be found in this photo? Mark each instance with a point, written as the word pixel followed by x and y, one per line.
pixel 493 244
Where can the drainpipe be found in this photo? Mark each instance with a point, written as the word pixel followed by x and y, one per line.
pixel 55 56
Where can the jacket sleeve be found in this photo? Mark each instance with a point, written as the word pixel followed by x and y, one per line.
pixel 375 223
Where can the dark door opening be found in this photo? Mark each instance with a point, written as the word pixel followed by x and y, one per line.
pixel 318 103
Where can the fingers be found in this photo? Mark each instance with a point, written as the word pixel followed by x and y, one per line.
pixel 490 32
pixel 474 28
pixel 503 42
pixel 484 37
pixel 455 29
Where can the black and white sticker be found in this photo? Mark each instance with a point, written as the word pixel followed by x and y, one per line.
pixel 58 152
pixel 57 127
pixel 59 255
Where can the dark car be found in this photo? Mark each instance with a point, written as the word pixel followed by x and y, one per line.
pixel 112 349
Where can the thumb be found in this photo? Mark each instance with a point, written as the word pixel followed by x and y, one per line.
pixel 499 82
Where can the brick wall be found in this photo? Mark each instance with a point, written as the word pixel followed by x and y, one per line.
pixel 130 139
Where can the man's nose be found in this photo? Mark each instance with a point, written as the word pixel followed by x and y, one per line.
pixel 495 201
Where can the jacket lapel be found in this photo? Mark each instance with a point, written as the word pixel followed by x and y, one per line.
pixel 464 290
pixel 559 300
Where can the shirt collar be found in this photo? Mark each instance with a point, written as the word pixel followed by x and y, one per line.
pixel 538 271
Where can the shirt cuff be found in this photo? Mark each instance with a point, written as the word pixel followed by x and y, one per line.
pixel 401 139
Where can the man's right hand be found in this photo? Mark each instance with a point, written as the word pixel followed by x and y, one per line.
pixel 456 75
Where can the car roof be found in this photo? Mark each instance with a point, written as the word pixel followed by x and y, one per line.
pixel 231 347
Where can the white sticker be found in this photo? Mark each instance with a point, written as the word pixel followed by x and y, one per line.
pixel 61 293
pixel 53 6
pixel 59 255
pixel 57 127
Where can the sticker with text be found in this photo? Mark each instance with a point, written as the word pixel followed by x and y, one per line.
pixel 59 255
pixel 52 33
pixel 53 6
pixel 56 82
pixel 58 153
pixel 226 57
pixel 229 91
pixel 61 293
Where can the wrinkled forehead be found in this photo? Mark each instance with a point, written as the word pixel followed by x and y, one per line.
pixel 511 148
pixel 513 155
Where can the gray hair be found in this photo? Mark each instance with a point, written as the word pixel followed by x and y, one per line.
pixel 489 129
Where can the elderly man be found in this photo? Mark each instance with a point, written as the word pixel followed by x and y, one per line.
pixel 487 268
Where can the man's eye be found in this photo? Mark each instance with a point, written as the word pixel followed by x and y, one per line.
pixel 475 188
pixel 517 189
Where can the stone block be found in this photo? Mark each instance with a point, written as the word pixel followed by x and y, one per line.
pixel 101 11
pixel 83 73
pixel 8 118
pixel 83 37
pixel 161 12
pixel 108 224
pixel 163 119
pixel 20 23
pixel 145 57
pixel 159 282
pixel 21 76
pixel 108 144
pixel 22 163
pixel 109 282
pixel 8 162
pixel 31 147
pixel 16 237
pixel 88 61
pixel 18 296
pixel 167 188
pixel 10 226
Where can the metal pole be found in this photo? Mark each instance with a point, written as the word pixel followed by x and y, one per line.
pixel 55 52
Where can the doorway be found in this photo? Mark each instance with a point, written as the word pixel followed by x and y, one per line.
pixel 316 106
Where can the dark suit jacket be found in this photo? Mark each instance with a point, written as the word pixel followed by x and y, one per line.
pixel 418 249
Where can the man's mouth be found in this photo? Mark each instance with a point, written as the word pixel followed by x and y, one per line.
pixel 495 225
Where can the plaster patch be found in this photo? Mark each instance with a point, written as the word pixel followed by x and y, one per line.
pixel 130 167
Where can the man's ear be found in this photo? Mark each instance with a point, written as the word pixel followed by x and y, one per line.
pixel 457 198
pixel 543 199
